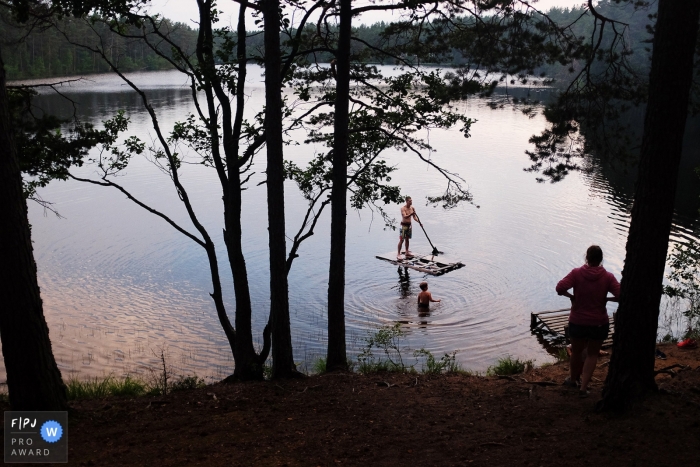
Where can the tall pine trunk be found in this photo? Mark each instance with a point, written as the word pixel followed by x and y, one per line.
pixel 282 357
pixel 631 371
pixel 336 358
pixel 33 379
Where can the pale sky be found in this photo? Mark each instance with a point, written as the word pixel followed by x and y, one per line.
pixel 186 10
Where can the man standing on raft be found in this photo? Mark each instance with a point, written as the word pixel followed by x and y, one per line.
pixel 407 212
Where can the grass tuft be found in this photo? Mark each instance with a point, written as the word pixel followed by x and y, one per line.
pixel 97 388
pixel 562 355
pixel 432 366
pixel 319 366
pixel 508 366
pixel 187 382
pixel 387 341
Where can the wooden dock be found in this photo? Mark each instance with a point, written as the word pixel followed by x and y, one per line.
pixel 429 264
pixel 556 323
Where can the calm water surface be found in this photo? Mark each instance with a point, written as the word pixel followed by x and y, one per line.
pixel 120 286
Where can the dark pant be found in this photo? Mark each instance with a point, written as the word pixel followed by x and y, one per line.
pixel 596 333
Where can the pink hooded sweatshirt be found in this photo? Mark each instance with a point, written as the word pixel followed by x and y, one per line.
pixel 591 286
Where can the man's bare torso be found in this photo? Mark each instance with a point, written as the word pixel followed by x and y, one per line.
pixel 406 214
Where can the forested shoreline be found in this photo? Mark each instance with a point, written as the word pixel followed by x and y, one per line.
pixel 34 53
pixel 47 53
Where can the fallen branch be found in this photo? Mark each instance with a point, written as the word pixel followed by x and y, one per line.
pixel 541 383
pixel 675 365
pixel 509 378
pixel 669 369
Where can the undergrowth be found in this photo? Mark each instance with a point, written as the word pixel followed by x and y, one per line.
pixel 509 366
pixel 383 353
pixel 562 355
pixel 387 341
pixel 447 363
pixel 683 291
pixel 98 388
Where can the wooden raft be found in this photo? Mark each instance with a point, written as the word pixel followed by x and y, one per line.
pixel 430 264
pixel 556 323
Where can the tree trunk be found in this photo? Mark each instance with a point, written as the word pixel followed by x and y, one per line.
pixel 631 373
pixel 33 379
pixel 282 357
pixel 336 358
pixel 248 364
pixel 251 366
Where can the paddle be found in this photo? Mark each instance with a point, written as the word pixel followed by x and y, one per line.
pixel 435 250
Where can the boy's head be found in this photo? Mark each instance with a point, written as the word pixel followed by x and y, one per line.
pixel 409 201
pixel 423 286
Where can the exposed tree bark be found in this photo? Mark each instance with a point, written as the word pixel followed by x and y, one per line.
pixel 336 358
pixel 234 232
pixel 33 379
pixel 631 373
pixel 282 356
pixel 249 365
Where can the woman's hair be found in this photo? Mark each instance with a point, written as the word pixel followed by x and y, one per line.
pixel 594 255
pixel 423 286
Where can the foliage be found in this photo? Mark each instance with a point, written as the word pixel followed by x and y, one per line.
pixel 508 366
pixel 267 371
pixel 387 340
pixel 669 339
pixel 49 146
pixel 447 363
pixel 684 286
pixel 185 383
pixel 319 365
pixel 562 355
pixel 599 91
pixel 97 388
pixel 42 52
pixel 160 380
pixel 386 112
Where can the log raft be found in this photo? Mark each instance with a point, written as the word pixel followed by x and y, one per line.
pixel 435 265
pixel 556 323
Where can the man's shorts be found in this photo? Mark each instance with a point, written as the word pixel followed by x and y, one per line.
pixel 406 231
pixel 595 333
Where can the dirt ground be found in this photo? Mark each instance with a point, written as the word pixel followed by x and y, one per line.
pixel 392 419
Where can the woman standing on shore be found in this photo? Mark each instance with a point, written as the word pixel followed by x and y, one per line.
pixel 588 320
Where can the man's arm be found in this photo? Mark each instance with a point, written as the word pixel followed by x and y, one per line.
pixel 415 216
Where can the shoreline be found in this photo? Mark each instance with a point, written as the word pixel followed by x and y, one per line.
pixel 392 418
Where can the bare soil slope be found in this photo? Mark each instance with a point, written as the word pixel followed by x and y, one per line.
pixel 396 419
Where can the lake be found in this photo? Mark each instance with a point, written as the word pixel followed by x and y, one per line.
pixel 120 286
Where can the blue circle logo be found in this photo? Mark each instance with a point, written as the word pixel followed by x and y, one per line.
pixel 51 431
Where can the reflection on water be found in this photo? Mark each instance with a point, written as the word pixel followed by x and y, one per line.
pixel 404 286
pixel 120 286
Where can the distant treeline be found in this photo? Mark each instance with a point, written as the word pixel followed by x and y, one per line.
pixel 33 53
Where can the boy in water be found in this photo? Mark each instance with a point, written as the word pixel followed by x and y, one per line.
pixel 425 297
